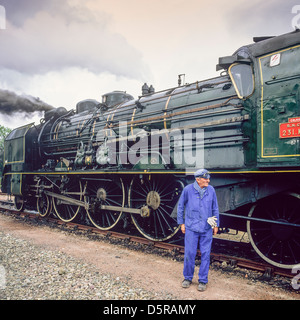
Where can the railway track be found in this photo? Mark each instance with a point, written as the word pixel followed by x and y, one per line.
pixel 231 260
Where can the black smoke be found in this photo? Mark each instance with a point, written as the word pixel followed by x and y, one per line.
pixel 10 103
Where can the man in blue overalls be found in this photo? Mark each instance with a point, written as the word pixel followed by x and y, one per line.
pixel 198 215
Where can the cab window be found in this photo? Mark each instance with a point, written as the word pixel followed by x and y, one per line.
pixel 242 77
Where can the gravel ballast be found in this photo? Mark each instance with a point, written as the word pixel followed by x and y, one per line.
pixel 44 262
pixel 30 272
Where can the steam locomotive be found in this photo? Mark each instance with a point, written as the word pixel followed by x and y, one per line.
pixel 124 162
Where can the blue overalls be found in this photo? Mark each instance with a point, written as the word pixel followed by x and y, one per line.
pixel 193 212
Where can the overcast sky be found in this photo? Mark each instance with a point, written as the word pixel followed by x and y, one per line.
pixel 64 51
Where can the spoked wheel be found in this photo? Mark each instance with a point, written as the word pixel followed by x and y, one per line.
pixel 44 205
pixel 107 193
pixel 278 244
pixel 160 196
pixel 19 203
pixel 64 210
pixel 43 202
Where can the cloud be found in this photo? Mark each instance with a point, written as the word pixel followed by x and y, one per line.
pixel 67 50
pixel 260 18
pixel 47 36
pixel 18 11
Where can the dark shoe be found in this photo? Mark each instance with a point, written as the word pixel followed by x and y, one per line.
pixel 202 286
pixel 186 283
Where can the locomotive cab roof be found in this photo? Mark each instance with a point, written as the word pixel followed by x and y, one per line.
pixel 260 47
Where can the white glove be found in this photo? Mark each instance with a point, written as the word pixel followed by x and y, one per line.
pixel 212 221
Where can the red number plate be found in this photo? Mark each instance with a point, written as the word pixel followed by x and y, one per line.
pixel 289 130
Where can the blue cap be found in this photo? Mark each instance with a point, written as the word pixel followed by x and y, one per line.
pixel 202 173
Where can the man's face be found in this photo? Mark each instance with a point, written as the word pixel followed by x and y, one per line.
pixel 203 183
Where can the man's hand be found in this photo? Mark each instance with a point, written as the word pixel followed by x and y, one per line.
pixel 183 228
pixel 212 221
pixel 215 230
